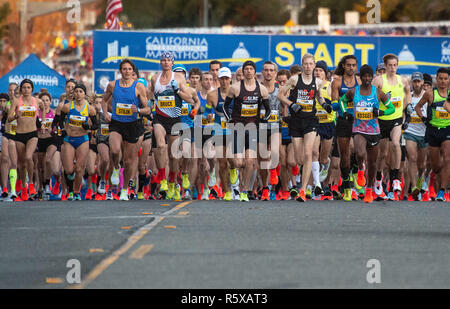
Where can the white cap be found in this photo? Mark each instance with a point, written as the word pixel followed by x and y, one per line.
pixel 224 72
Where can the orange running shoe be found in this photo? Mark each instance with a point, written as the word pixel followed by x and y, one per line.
pixel 24 195
pixel 381 197
pixel 432 192
pixel 265 195
pixel 425 197
pixel 88 195
pixel 354 195
pixel 361 180
pixel 301 196
pixel 56 188
pixel 369 197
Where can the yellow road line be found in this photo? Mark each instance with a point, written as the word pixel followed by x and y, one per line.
pixel 140 252
pixel 132 240
pixel 53 280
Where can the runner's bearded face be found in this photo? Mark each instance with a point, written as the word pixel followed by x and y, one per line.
pixel 417 85
pixel 350 67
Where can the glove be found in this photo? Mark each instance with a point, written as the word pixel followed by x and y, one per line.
pixel 295 108
pixel 327 107
pixel 348 117
pixel 193 113
pixel 175 86
pixel 377 113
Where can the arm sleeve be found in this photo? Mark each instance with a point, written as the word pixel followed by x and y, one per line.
pixel 55 122
pixel 390 108
pixel 62 119
pixel 94 122
pixel 266 104
pixel 335 105
pixel 226 107
pixel 343 104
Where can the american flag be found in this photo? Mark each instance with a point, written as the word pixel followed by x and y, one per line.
pixel 112 9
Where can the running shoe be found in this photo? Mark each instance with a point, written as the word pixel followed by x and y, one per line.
pixel 252 196
pixel 70 196
pixel 390 196
pixel 440 196
pixel 301 196
pixel 293 192
pixel 115 178
pixel 5 193
pixel 194 194
pixel 347 195
pixel 171 191
pixel 177 196
pixel 88 195
pixel 335 192
pixel 244 197
pixel 273 196
pixel 101 187
pixel 124 195
pixel 233 176
pixel 354 195
pixel 324 171
pixel 31 190
pixel 205 195
pixel 432 193
pixel 415 192
pixel 163 185
pixel 56 188
pixel 318 190
pixel 185 181
pixel 397 185
pixel 308 192
pixel 109 196
pixel 361 179
pixel 286 195
pixel 381 197
pixel 227 196
pixel 24 195
pixel 378 187
pixel 140 196
pixel 368 197
pixel 265 195
pixel 76 197
pixel 273 177
pixel 362 192
pixel 47 191
pixel 187 195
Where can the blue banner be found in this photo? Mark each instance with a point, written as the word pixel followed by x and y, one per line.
pixel 424 54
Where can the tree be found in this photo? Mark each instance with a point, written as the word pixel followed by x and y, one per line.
pixel 4 12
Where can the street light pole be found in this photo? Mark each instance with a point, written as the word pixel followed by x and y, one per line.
pixel 205 13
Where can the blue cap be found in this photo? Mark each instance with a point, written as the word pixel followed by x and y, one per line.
pixel 143 81
pixel 179 68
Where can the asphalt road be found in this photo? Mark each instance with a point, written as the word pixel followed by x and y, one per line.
pixel 214 244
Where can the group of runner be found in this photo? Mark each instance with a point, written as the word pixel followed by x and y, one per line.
pixel 301 134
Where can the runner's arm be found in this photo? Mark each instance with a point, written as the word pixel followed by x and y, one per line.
pixel 142 93
pixel 390 108
pixel 426 98
pixel 447 104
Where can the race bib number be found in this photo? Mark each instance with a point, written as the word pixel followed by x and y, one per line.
pixel 47 123
pixel 249 110
pixel 397 102
pixel 28 111
pixel 284 124
pixel 441 113
pixel 123 109
pixel 307 105
pixel 322 116
pixel 223 122
pixel 415 118
pixel 364 113
pixel 77 121
pixel 166 101
pixel 104 129
pixel 207 122
pixel 273 115
pixel 13 127
pixel 185 109
pixel 350 104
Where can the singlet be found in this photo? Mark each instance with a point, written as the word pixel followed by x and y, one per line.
pixel 186 109
pixel 246 105
pixel 305 96
pixel 123 99
pixel 47 120
pixel 29 111
pixel 167 103
pixel 103 131
pixel 322 114
pixel 220 116
pixel 440 118
pixel 364 122
pixel 275 107
pixel 397 96
pixel 416 126
pixel 76 118
pixel 343 90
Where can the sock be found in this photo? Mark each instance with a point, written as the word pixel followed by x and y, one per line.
pixel 141 182
pixel 162 173
pixel 345 171
pixel 13 179
pixel 316 172
pixel 171 177
pixel 394 174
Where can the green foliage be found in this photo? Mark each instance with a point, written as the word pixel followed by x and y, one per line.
pixel 4 12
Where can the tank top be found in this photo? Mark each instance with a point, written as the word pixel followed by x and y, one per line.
pixel 343 90
pixel 322 114
pixel 29 111
pixel 167 103
pixel 440 118
pixel 104 126
pixel 186 109
pixel 246 105
pixel 416 126
pixel 275 106
pixel 76 118
pixel 47 120
pixel 123 99
pixel 305 96
pixel 397 95
pixel 364 122
pixel 220 116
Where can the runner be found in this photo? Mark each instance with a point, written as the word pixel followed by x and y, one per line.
pixel 223 149
pixel 366 129
pixel 169 90
pixel 75 115
pixel 25 110
pixel 214 67
pixel 345 80
pixel 414 135
pixel 4 167
pixel 124 130
pixel 303 123
pixel 391 125
pixel 273 143
pixel 249 97
pixel 438 128
pixel 381 69
pixel 238 76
